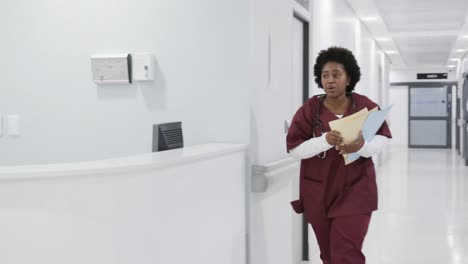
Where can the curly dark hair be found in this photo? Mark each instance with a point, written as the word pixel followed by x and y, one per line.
pixel 341 56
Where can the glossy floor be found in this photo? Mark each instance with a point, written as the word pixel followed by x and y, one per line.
pixel 423 209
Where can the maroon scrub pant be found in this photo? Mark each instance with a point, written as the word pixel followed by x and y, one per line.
pixel 340 239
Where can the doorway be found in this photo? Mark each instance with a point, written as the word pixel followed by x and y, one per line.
pixel 430 110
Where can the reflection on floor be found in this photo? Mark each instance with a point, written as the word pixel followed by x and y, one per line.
pixel 423 209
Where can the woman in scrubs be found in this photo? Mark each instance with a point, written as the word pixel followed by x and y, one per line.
pixel 337 199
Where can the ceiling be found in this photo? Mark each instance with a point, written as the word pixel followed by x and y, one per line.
pixel 417 34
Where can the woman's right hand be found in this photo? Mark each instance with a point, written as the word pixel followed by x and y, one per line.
pixel 334 138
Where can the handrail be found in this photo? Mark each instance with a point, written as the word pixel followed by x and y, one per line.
pixel 260 173
pixel 147 161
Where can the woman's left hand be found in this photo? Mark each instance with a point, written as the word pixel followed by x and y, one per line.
pixel 352 147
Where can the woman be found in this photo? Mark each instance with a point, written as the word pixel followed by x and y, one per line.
pixel 337 199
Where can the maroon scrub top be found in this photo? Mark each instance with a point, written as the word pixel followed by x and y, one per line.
pixel 328 184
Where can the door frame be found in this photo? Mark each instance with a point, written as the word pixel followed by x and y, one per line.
pixel 463 108
pixel 305 65
pixel 457 118
pixel 305 97
pixel 449 85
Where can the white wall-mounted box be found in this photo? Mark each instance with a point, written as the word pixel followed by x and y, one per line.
pixel 111 68
pixel 13 125
pixel 143 67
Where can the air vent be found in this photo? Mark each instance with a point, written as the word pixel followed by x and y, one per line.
pixel 167 136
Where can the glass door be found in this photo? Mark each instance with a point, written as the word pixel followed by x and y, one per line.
pixel 429 116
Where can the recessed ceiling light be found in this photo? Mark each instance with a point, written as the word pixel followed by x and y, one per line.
pixel 459 50
pixel 370 18
pixel 453 59
pixel 451 66
pixel 391 51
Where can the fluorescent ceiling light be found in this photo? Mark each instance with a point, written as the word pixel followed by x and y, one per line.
pixel 466 36
pixel 451 66
pixel 454 59
pixel 382 39
pixel 391 51
pixel 369 18
pixel 460 50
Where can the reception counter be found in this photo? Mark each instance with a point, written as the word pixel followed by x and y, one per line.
pixel 178 206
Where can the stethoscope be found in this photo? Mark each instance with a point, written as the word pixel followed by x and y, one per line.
pixel 317 124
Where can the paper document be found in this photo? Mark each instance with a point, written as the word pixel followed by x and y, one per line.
pixel 370 127
pixel 350 126
pixel 369 122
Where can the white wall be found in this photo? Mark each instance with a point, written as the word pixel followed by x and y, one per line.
pixel 201 50
pixel 398 117
pixel 461 70
pixel 385 85
pixel 370 56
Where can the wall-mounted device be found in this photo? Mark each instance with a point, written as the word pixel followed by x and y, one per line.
pixel 167 136
pixel 13 125
pixel 143 67
pixel 111 68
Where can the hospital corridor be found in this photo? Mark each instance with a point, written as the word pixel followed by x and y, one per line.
pixel 234 132
pixel 423 215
